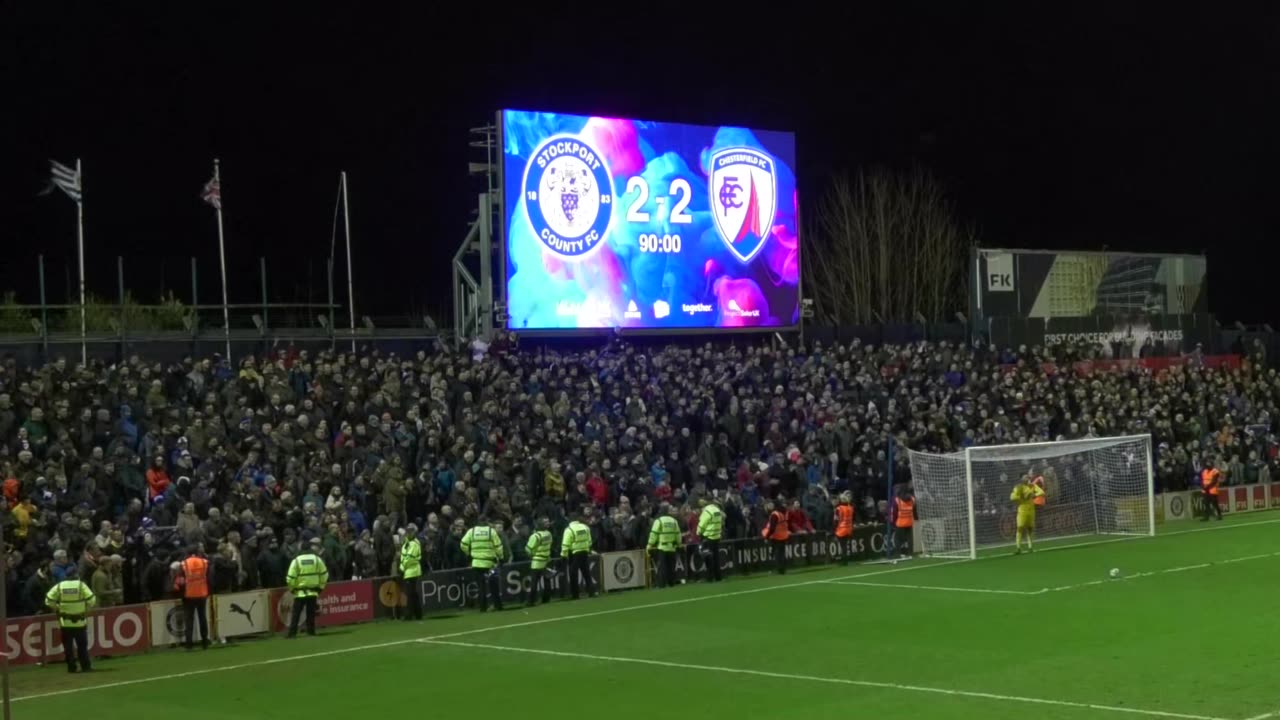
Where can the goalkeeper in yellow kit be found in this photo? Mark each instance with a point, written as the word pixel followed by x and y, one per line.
pixel 1024 496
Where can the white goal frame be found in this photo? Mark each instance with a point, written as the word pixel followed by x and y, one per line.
pixel 967 457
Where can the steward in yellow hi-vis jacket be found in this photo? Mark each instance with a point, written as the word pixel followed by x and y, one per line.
pixel 576 546
pixel 664 541
pixel 483 545
pixel 72 600
pixel 307 578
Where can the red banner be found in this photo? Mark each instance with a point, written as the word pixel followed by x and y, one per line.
pixel 343 603
pixel 1275 495
pixel 112 632
pixel 1240 497
pixel 1259 493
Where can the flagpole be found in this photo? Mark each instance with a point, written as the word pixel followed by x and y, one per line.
pixel 222 260
pixel 351 294
pixel 84 350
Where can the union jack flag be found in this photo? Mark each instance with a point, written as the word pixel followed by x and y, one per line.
pixel 67 179
pixel 212 192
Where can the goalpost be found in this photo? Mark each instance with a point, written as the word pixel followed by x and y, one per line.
pixel 1097 486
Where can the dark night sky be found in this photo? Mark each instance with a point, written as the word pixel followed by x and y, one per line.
pixel 1106 125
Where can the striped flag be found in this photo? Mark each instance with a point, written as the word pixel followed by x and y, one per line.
pixel 65 179
pixel 212 192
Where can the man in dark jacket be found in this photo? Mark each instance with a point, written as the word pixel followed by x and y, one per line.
pixel 33 591
pixel 225 571
pixel 272 565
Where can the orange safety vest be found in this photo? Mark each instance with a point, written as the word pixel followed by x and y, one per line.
pixel 1038 481
pixel 781 530
pixel 195 573
pixel 1209 479
pixel 906 513
pixel 844 521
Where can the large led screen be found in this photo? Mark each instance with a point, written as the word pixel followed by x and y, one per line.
pixel 636 224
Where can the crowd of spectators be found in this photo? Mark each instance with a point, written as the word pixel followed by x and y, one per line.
pixel 118 469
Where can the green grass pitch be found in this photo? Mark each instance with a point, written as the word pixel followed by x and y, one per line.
pixel 1191 630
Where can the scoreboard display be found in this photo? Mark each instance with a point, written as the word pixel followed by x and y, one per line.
pixel 619 223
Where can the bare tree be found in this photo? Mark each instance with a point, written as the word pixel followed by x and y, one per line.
pixel 882 247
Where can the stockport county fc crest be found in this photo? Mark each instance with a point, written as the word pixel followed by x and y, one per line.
pixel 568 196
pixel 744 197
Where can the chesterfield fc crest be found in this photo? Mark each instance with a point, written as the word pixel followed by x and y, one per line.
pixel 744 198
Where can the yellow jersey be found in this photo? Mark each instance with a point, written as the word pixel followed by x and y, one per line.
pixel 1024 495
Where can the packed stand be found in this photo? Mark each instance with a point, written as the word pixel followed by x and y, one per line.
pixel 118 470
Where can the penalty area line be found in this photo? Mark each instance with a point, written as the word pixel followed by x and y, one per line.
pixel 1166 571
pixel 939 588
pixel 827 680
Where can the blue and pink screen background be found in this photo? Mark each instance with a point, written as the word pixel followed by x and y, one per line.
pixel 703 273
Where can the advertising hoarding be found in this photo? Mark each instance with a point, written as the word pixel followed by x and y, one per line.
pixel 112 632
pixel 341 603
pixel 1045 284
pixel 239 614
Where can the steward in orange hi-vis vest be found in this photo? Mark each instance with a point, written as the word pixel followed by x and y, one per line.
pixel 193 581
pixel 904 520
pixel 1210 481
pixel 777 532
pixel 844 527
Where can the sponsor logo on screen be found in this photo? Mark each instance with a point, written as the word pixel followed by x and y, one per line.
pixel 696 308
pixel 568 196
pixel 590 309
pixel 661 309
pixel 632 312
pixel 736 310
pixel 744 198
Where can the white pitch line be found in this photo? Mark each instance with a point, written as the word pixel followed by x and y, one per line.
pixel 1166 571
pixel 1264 716
pixel 560 618
pixel 462 633
pixel 938 588
pixel 828 680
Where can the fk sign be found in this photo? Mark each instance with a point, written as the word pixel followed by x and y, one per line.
pixel 1000 272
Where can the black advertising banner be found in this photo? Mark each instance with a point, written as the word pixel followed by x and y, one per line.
pixel 445 590
pixel 756 554
pixel 1117 337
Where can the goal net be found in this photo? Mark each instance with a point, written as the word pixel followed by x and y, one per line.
pixel 1100 486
